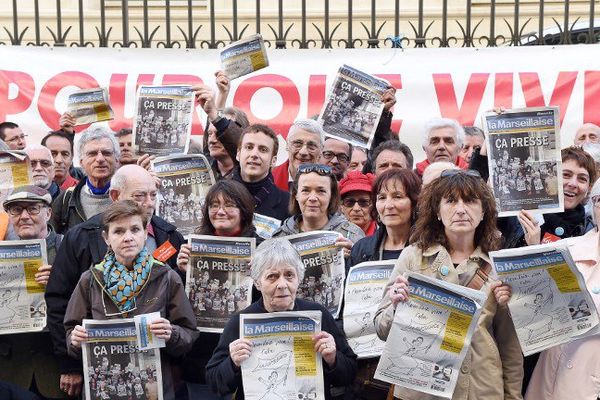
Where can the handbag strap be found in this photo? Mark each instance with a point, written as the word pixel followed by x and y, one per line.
pixel 480 277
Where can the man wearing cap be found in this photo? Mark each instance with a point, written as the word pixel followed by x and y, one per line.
pixel 355 190
pixel 26 359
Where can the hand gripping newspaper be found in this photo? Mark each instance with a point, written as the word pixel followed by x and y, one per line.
pixel 22 304
pixel 163 119
pixel 525 164
pixel 90 105
pixel 114 368
pixel 353 108
pixel 244 56
pixel 324 268
pixel 550 304
pixel 15 171
pixel 218 281
pixel 430 336
pixel 283 363
pixel 184 182
pixel 365 286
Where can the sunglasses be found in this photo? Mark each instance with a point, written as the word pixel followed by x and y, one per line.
pixel 350 202
pixel 466 172
pixel 318 168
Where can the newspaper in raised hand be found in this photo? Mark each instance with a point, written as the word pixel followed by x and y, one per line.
pixel 524 159
pixel 244 56
pixel 550 303
pixel 283 363
pixel 365 285
pixel 145 338
pixel 15 171
pixel 265 226
pixel 114 368
pixel 430 336
pixel 22 304
pixel 184 182
pixel 324 267
pixel 90 105
pixel 218 281
pixel 163 119
pixel 354 106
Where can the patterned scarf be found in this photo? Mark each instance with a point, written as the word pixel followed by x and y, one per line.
pixel 123 284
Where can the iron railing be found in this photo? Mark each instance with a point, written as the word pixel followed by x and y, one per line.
pixel 359 24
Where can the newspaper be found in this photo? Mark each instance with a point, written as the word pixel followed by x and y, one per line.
pixel 353 108
pixel 22 304
pixel 283 364
pixel 550 304
pixel 430 336
pixel 184 182
pixel 163 119
pixel 113 366
pixel 324 268
pixel 365 286
pixel 218 281
pixel 524 159
pixel 265 226
pixel 244 57
pixel 145 339
pixel 90 105
pixel 15 171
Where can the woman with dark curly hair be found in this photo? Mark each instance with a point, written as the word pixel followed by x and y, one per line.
pixel 455 230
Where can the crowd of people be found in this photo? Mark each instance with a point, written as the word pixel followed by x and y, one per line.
pixel 437 216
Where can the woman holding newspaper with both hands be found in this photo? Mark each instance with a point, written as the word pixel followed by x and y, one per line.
pixel 454 232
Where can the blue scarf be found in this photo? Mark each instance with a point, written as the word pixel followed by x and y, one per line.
pixel 95 190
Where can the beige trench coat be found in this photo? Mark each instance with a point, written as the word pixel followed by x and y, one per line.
pixel 493 366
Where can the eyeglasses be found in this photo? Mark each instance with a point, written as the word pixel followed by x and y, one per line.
pixel 453 172
pixel 43 163
pixel 16 210
pixel 16 138
pixel 342 157
pixel 350 202
pixel 318 168
pixel 228 207
pixel 94 153
pixel 118 313
pixel 299 144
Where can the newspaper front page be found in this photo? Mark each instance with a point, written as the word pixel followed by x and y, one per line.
pixel 244 57
pixel 524 159
pixel 218 281
pixel 283 364
pixel 184 182
pixel 163 119
pixel 22 304
pixel 324 268
pixel 90 105
pixel 430 336
pixel 113 366
pixel 15 171
pixel 353 108
pixel 365 285
pixel 265 226
pixel 550 304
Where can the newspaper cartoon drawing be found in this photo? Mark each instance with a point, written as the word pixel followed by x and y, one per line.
pixel 406 363
pixel 9 301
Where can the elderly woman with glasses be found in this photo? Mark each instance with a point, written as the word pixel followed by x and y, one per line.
pixel 454 232
pixel 277 270
pixel 129 282
pixel 314 205
pixel 355 190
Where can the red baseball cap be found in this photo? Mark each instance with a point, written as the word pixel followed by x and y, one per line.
pixel 356 181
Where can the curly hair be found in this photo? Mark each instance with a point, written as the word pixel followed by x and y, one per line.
pixel 429 230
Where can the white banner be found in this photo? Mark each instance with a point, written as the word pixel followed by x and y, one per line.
pixel 457 83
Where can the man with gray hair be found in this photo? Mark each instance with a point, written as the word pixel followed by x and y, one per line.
pixel 42 168
pixel 304 145
pixel 474 138
pixel 98 155
pixel 444 137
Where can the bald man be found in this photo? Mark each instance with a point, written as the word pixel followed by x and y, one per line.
pixel 83 246
pixel 587 133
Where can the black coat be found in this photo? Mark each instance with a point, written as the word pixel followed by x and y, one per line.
pixel 224 377
pixel 269 199
pixel 82 247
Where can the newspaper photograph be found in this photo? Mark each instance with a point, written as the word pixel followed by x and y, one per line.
pixel 184 182
pixel 324 266
pixel 163 119
pixel 550 304
pixel 113 366
pixel 22 304
pixel 524 159
pixel 90 105
pixel 352 110
pixel 283 364
pixel 15 171
pixel 218 281
pixel 244 56
pixel 365 285
pixel 430 336
pixel 265 226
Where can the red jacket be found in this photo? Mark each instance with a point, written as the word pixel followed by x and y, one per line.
pixel 281 176
pixel 420 167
